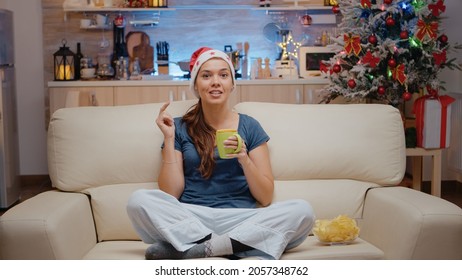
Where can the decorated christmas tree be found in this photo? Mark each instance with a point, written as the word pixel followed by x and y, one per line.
pixel 388 50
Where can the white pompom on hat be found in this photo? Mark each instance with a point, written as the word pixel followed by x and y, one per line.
pixel 199 57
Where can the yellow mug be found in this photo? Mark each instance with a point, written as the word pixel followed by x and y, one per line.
pixel 221 136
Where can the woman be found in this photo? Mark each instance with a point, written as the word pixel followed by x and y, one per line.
pixel 207 206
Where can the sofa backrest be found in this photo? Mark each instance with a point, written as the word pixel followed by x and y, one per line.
pixel 97 146
pixel 363 142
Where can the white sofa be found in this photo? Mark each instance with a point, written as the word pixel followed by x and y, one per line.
pixel 343 159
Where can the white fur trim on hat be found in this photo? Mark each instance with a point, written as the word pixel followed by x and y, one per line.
pixel 199 57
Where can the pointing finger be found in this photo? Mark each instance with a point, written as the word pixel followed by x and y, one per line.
pixel 164 107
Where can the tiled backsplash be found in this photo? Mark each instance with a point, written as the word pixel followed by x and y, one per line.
pixel 184 29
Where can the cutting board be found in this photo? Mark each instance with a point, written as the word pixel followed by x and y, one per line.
pixel 138 45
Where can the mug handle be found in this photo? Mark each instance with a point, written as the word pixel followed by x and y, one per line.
pixel 239 143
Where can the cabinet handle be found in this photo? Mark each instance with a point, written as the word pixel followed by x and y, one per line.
pixel 170 96
pixel 183 95
pixel 93 100
pixel 297 96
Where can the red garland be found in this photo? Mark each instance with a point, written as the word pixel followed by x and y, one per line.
pixel 398 74
pixel 427 29
pixel 418 110
pixel 352 43
pixel 325 68
pixel 440 57
pixel 371 59
pixel 437 8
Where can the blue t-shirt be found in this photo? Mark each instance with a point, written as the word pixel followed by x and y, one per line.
pixel 227 187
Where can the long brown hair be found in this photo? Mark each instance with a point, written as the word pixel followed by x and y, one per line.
pixel 203 136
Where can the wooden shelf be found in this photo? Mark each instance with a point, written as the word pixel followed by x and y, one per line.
pixel 274 8
pixel 200 7
pixel 294 8
pixel 114 9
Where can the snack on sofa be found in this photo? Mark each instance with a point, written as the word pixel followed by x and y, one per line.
pixel 343 159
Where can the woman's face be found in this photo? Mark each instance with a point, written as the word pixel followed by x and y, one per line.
pixel 214 82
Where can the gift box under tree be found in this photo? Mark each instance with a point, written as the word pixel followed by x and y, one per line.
pixel 433 121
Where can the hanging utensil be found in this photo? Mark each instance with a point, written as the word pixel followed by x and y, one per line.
pixel 104 43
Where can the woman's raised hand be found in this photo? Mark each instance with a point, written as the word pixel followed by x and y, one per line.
pixel 165 122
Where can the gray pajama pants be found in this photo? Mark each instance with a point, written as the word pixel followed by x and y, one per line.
pixel 157 215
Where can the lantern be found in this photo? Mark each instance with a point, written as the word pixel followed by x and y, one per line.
pixel 64 63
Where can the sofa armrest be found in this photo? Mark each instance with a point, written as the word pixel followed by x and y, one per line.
pixel 408 224
pixel 51 225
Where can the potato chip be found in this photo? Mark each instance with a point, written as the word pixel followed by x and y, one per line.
pixel 340 229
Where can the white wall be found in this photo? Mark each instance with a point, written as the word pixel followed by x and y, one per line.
pixel 30 84
pixel 451 25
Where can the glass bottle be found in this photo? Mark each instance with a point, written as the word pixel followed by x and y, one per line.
pixel 136 68
pixel 77 62
pixel 324 38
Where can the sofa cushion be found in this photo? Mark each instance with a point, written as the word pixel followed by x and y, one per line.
pixel 310 249
pixel 319 141
pixel 117 250
pixel 109 210
pixel 342 197
pixel 329 198
pixel 97 146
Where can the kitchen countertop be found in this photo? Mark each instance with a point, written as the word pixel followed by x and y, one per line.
pixel 181 82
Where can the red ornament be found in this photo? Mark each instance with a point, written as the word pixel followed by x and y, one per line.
pixel 407 96
pixel 352 83
pixel 443 39
pixel 337 68
pixel 336 9
pixel 381 90
pixel 392 63
pixel 388 2
pixel 404 35
pixel 372 39
pixel 390 21
pixel 120 21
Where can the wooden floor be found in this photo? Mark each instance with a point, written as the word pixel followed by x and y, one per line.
pixel 450 190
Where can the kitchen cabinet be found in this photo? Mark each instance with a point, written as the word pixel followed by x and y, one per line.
pixel 64 97
pixel 114 93
pixel 141 95
pixel 312 94
pixel 292 94
pixel 184 93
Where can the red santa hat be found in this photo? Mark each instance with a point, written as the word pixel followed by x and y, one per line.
pixel 199 57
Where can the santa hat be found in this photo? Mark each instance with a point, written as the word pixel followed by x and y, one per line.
pixel 199 57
